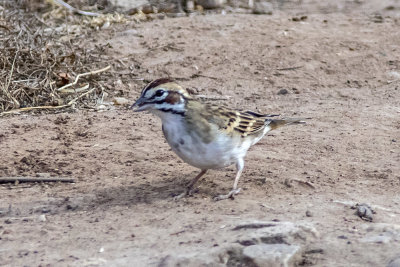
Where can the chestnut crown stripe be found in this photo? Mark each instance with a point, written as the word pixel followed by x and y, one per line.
pixel 156 83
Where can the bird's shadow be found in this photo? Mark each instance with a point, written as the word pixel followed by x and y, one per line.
pixel 146 192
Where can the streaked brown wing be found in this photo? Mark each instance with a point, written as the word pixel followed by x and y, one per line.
pixel 243 122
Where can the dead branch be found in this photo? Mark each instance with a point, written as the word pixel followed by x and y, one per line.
pixel 81 75
pixel 77 90
pixel 75 10
pixel 7 85
pixel 4 180
pixel 70 103
pixel 291 68
pixel 288 181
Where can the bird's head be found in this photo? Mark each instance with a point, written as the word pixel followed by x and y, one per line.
pixel 163 95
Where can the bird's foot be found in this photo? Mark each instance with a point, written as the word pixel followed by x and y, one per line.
pixel 231 194
pixel 187 192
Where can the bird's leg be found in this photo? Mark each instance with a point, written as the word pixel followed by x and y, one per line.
pixel 190 185
pixel 235 190
pixel 179 6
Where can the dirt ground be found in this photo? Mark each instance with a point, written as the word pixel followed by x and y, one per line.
pixel 341 69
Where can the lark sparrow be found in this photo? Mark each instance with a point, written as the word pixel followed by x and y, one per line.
pixel 204 135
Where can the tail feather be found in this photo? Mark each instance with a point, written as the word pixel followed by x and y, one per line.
pixel 274 124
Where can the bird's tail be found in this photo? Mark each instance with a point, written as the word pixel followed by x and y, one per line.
pixel 274 124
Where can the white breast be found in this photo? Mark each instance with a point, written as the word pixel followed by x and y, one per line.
pixel 221 152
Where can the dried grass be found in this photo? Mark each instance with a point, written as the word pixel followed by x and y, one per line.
pixel 41 51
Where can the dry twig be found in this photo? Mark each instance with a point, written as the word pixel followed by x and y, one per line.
pixel 82 75
pixel 4 180
pixel 288 181
pixel 75 10
pixel 70 103
pixel 290 68
pixel 35 61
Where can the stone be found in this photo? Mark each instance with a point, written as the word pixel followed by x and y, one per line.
pixel 394 75
pixel 121 101
pixel 210 4
pixel 394 262
pixel 129 4
pixel 212 257
pixel 271 255
pixel 364 211
pixel 263 8
pixel 42 218
pixel 270 232
pixel 283 92
pixel 381 233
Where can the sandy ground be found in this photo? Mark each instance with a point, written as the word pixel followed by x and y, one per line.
pixel 341 70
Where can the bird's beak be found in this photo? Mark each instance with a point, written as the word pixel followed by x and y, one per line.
pixel 138 105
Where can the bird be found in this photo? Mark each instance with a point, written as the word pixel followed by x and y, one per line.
pixel 204 135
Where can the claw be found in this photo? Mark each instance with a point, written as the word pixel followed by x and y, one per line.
pixel 182 195
pixel 229 195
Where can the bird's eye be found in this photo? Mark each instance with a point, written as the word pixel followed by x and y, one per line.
pixel 159 93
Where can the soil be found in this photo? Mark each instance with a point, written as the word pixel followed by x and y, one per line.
pixel 340 69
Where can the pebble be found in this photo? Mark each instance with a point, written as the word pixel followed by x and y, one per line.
pixel 42 218
pixel 394 262
pixel 365 212
pixel 263 8
pixel 45 210
pixel 209 4
pixel 72 206
pixel 283 92
pixel 128 4
pixel 394 75
pixel 121 101
pixel 272 254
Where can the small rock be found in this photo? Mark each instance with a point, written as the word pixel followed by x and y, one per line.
pixel 270 232
pixel 43 174
pixel 299 19
pixel 380 239
pixel 209 4
pixel 189 5
pixel 381 233
pixel 394 263
pixel 377 18
pixel 105 25
pixel 101 107
pixel 101 250
pixel 7 221
pixel 364 211
pixel 72 206
pixel 42 218
pixel 263 8
pixel 129 4
pixel 121 101
pixel 283 92
pixel 309 213
pixel 45 210
pixel 269 255
pixel 394 75
pixel 216 257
